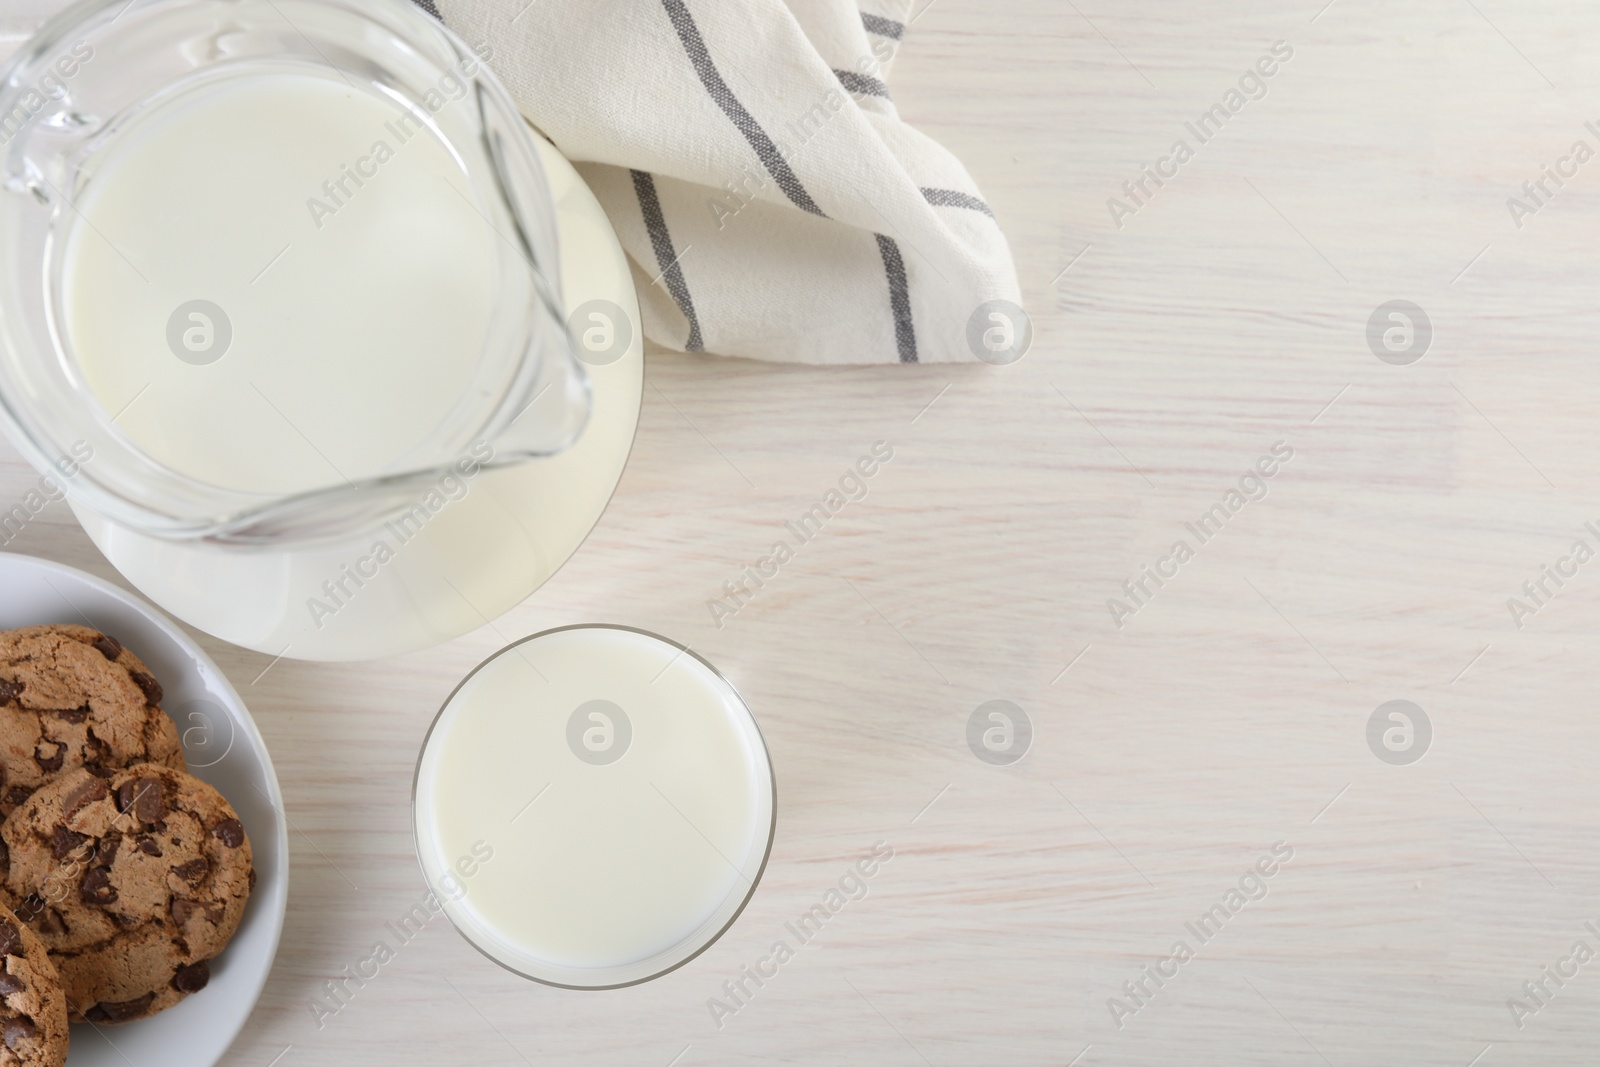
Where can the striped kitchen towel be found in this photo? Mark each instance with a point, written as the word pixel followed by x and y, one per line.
pixel 771 200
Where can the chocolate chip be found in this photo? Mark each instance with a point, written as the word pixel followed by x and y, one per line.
pixel 149 847
pixel 107 850
pixel 183 910
pixel 64 842
pixel 150 805
pixel 51 921
pixel 9 984
pixel 193 871
pixel 109 646
pixel 17 1031
pixel 49 754
pixel 17 794
pixel 5 859
pixel 151 687
pixel 31 908
pixel 192 977
pixel 142 799
pixel 231 831
pixel 9 690
pixel 143 796
pixel 96 887
pixel 119 1011
pixel 10 938
pixel 87 793
pixel 72 715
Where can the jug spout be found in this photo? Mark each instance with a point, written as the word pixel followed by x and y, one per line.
pixel 549 413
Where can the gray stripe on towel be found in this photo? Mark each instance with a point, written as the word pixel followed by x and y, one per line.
pixel 768 152
pixel 955 198
pixel 905 335
pixel 883 27
pixel 644 187
pixel 864 84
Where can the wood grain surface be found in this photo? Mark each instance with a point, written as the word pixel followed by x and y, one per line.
pixel 1228 714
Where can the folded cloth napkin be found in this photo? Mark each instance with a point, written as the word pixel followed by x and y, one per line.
pixel 771 200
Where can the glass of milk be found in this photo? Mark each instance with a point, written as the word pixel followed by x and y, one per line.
pixel 269 266
pixel 594 806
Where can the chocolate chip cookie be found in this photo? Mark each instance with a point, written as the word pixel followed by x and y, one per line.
pixel 133 883
pixel 33 1011
pixel 72 697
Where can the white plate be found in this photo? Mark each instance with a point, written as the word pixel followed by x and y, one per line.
pixel 224 748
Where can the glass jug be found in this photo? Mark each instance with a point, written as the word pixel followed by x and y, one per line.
pixel 269 266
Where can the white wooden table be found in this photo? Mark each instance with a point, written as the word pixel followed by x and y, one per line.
pixel 1229 713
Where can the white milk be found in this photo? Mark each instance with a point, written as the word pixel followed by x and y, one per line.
pixel 597 873
pixel 357 311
